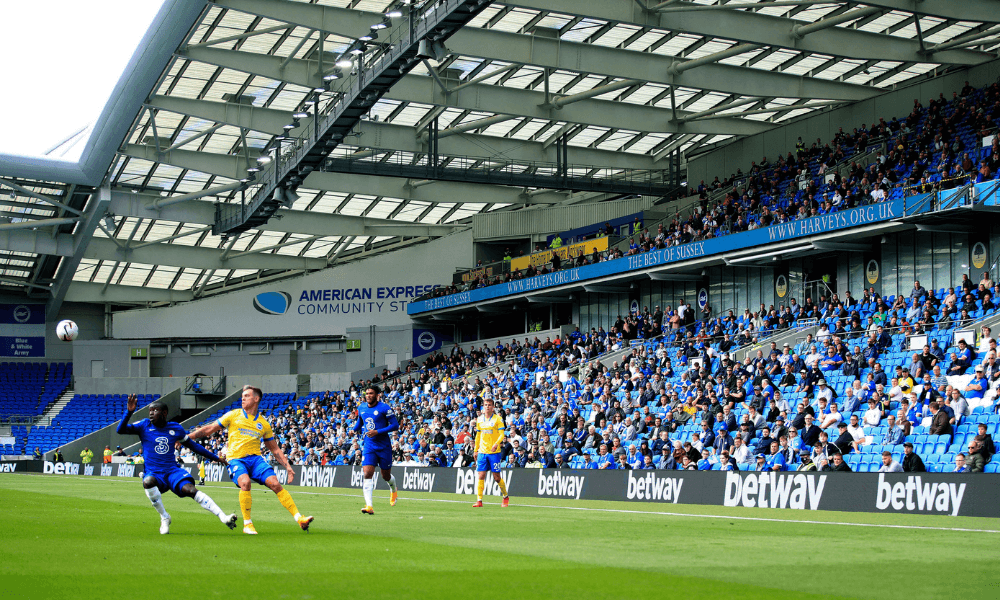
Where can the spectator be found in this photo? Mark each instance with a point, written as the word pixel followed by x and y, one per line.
pixel 889 465
pixel 873 416
pixel 741 452
pixel 894 435
pixel 838 464
pixel 976 459
pixel 988 446
pixel 960 466
pixel 939 422
pixel 845 442
pixel 809 433
pixel 37 454
pixel 57 456
pixel 807 462
pixel 776 460
pixel 911 462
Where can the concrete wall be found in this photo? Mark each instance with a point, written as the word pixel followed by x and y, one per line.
pixel 375 345
pixel 127 385
pixel 109 358
pixel 88 317
pixel 322 382
pixel 780 141
pixel 282 357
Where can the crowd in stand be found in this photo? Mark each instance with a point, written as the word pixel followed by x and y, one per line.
pixel 684 403
pixel 933 148
pixel 848 395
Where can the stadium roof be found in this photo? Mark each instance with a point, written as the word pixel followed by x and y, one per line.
pixel 627 82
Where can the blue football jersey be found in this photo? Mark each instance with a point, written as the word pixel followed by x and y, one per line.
pixel 378 418
pixel 157 443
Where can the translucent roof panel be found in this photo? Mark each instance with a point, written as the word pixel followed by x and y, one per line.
pixel 635 118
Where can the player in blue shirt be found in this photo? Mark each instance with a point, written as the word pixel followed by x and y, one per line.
pixel 377 420
pixel 158 437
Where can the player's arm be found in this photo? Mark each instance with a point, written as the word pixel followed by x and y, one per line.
pixel 203 451
pixel 204 431
pixel 392 426
pixel 272 446
pixel 123 427
pixel 499 443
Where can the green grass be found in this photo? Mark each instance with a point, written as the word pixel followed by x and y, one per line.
pixel 67 537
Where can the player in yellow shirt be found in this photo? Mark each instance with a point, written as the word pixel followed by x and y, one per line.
pixel 489 438
pixel 247 430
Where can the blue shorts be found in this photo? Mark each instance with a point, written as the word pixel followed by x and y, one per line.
pixel 171 480
pixel 489 462
pixel 379 458
pixel 253 465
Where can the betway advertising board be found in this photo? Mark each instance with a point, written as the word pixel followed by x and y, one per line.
pixel 855 217
pixel 374 291
pixel 967 495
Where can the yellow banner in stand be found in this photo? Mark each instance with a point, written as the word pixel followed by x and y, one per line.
pixel 542 258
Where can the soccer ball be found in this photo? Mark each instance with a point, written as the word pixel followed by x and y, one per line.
pixel 67 330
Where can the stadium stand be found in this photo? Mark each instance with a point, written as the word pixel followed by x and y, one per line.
pixel 26 390
pixel 672 371
pixel 84 414
pixel 933 148
pixel 679 382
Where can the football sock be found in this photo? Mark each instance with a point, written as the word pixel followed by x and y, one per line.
pixel 245 502
pixel 392 482
pixel 154 496
pixel 368 487
pixel 286 500
pixel 480 486
pixel 503 487
pixel 208 504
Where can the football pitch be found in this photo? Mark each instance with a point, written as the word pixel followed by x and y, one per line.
pixel 83 537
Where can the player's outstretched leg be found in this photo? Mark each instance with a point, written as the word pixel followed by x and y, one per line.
pixel 480 487
pixel 368 487
pixel 286 500
pixel 189 491
pixel 393 491
pixel 246 500
pixel 503 490
pixel 149 485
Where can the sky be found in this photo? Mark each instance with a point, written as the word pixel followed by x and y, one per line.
pixel 61 61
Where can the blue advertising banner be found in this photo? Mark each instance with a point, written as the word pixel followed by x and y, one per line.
pixel 863 215
pixel 426 341
pixel 22 330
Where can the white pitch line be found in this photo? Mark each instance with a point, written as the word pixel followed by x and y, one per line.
pixel 608 510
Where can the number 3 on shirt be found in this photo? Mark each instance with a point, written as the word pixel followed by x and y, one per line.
pixel 162 445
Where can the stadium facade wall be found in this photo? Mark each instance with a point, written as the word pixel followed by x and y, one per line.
pixel 824 125
pixel 126 385
pixel 367 292
pixel 923 493
pixel 90 318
